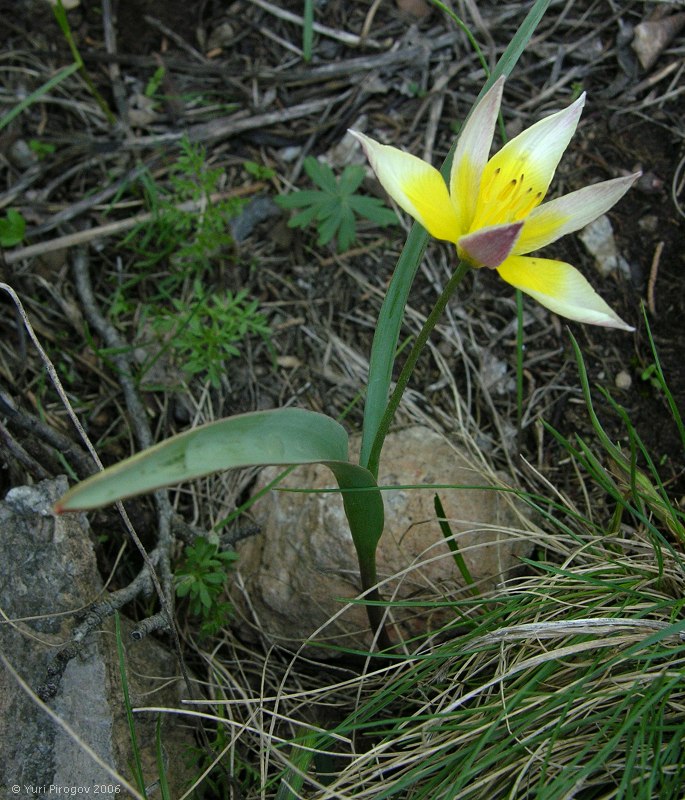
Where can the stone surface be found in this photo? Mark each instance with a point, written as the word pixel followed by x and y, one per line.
pixel 598 238
pixel 295 575
pixel 47 572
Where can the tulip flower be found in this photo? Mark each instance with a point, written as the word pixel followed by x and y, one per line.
pixel 493 209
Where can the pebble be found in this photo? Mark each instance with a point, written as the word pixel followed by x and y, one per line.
pixel 623 380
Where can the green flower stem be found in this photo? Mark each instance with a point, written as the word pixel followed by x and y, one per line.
pixel 410 363
pixel 374 611
pixel 519 367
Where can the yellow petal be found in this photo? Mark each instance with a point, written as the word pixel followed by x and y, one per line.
pixel 570 213
pixel 415 186
pixel 561 288
pixel 471 155
pixel 516 179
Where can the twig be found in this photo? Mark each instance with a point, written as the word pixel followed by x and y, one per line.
pixel 677 186
pixel 368 21
pixel 230 126
pixel 25 459
pixel 88 202
pixel 18 418
pixel 179 40
pixel 113 228
pixel 341 36
pixel 138 419
pixel 653 271
pixel 109 33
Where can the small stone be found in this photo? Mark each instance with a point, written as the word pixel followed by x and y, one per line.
pixel 21 155
pixel 221 36
pixel 258 210
pixel 598 238
pixel 649 223
pixel 654 36
pixel 623 380
pixel 415 8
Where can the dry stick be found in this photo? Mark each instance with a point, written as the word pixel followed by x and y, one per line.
pixel 341 36
pixel 344 69
pixel 113 228
pixel 110 37
pixel 136 410
pixel 654 269
pixel 76 209
pixel 229 126
pixel 179 40
pixel 22 456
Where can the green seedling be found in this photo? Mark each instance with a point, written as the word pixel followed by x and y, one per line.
pixel 258 171
pixel 207 331
pixel 12 228
pixel 201 579
pixel 335 206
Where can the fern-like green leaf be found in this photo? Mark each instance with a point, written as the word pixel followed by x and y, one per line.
pixel 335 208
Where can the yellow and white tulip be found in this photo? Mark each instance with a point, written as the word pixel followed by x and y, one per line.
pixel 493 209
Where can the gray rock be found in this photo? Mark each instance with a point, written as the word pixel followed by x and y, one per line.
pixel 296 575
pixel 598 238
pixel 48 572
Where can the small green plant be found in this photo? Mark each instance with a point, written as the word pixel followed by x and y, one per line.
pixel 41 149
pixel 207 331
pixel 258 171
pixel 154 83
pixel 201 579
pixel 649 375
pixel 12 228
pixel 334 206
pixel 188 231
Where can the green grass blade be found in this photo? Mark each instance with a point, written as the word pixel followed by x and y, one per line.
pixel 163 783
pixel 675 412
pixel 452 544
pixel 308 30
pixel 137 765
pixel 64 73
pixel 301 757
pixel 392 312
pixel 61 17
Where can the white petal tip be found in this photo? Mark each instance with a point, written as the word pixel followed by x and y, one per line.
pixel 620 325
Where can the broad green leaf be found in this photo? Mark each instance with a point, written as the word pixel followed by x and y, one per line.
pixel 281 437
